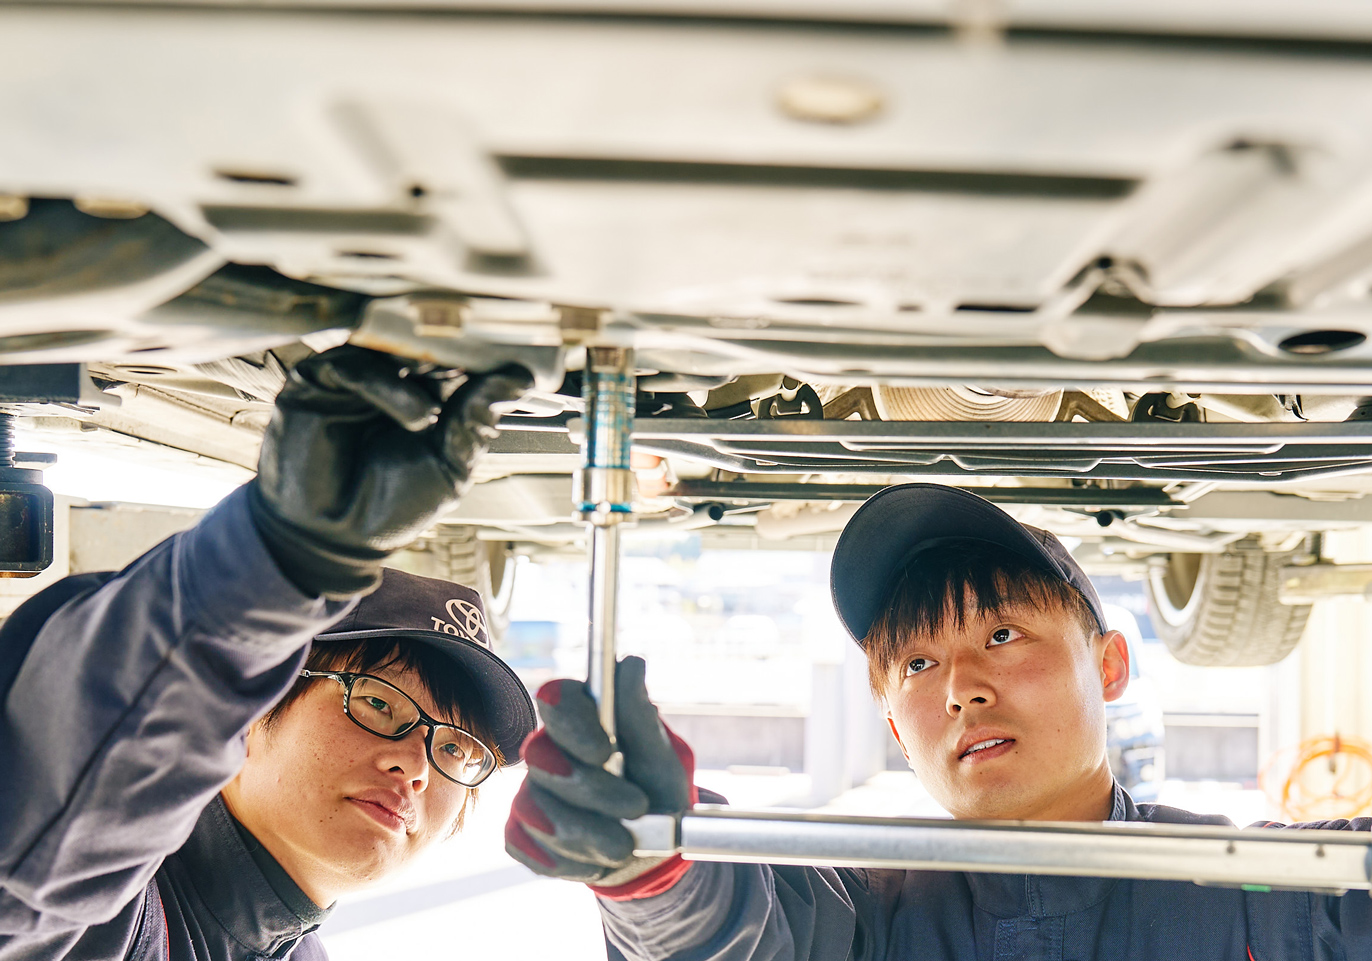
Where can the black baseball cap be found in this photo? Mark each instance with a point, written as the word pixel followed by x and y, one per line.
pixel 899 522
pixel 445 615
pixel 450 618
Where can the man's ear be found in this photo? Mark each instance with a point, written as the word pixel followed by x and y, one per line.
pixel 253 734
pixel 896 734
pixel 1114 666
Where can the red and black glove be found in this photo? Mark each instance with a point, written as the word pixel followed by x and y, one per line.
pixel 565 819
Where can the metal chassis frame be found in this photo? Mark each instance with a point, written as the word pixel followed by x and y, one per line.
pixel 1079 498
pixel 1161 452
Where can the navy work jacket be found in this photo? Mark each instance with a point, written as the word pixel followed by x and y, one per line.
pixel 754 912
pixel 125 718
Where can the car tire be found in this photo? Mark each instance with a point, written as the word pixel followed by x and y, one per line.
pixel 1221 610
pixel 487 566
pixel 467 559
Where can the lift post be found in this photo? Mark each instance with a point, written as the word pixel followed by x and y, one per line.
pixel 604 494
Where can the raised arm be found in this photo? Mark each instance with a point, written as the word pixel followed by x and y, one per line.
pixel 128 713
pixel 126 716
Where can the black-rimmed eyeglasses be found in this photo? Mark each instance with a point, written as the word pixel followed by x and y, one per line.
pixel 383 709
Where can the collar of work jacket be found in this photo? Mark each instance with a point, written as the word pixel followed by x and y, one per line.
pixel 240 892
pixel 1028 895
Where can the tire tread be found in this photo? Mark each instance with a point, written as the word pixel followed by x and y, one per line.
pixel 1239 621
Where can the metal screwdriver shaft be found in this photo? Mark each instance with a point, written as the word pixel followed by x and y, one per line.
pixel 604 498
pixel 600 665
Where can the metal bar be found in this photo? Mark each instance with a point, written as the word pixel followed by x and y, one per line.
pixel 601 651
pixel 1157 452
pixel 603 494
pixel 1083 497
pixel 1016 184
pixel 1257 859
pixel 1314 582
pixel 844 438
pixel 1066 461
pixel 904 434
pixel 963 466
pixel 1063 460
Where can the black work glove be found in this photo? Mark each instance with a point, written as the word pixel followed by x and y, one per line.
pixel 565 819
pixel 363 452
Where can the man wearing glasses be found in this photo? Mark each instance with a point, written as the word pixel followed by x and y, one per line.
pixel 185 776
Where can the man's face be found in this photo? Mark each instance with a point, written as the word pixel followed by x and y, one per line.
pixel 337 806
pixel 1004 717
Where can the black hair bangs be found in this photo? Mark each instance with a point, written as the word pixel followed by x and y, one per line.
pixel 958 579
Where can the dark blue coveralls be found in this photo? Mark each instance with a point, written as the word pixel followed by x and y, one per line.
pixel 123 721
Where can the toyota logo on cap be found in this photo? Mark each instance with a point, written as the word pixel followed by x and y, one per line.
pixel 465 619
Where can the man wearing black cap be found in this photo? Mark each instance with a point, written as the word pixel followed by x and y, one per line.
pixel 989 647
pixel 155 804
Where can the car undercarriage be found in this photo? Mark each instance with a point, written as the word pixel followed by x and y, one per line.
pixel 1109 267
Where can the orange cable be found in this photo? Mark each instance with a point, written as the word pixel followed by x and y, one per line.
pixel 1348 796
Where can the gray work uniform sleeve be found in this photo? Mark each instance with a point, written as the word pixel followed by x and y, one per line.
pixel 128 716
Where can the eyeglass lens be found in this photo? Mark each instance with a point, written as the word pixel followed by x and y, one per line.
pixel 389 711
